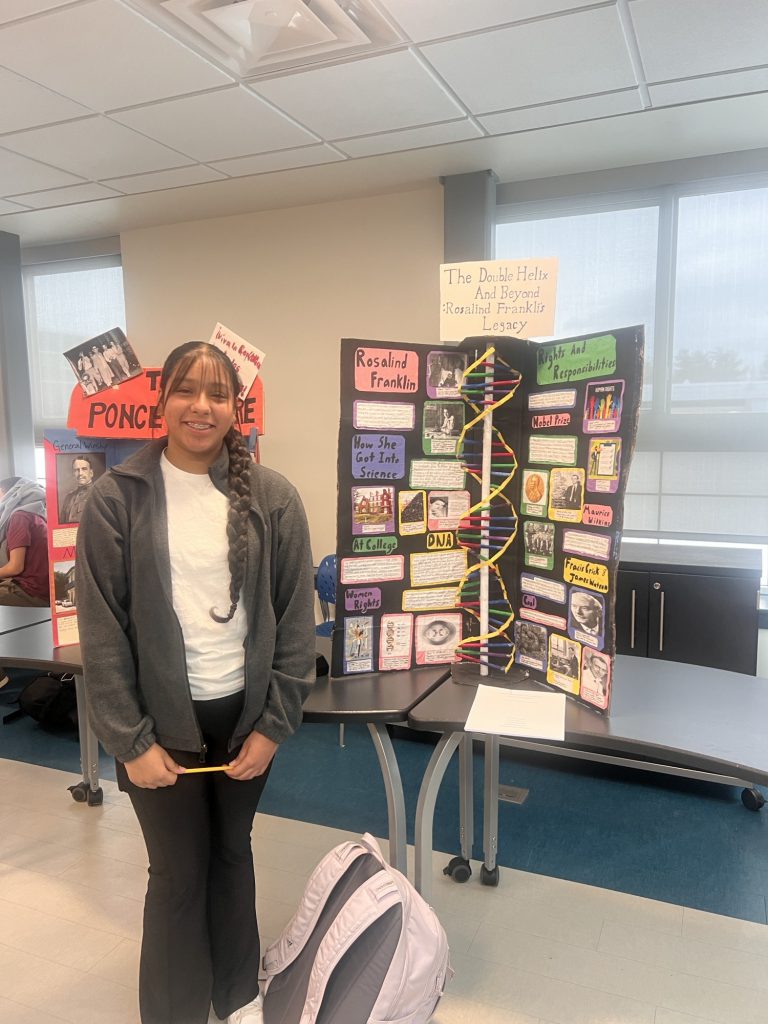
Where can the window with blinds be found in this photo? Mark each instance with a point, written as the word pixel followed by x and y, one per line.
pixel 691 264
pixel 66 303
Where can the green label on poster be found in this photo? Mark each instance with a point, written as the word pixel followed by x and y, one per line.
pixel 374 545
pixel 591 357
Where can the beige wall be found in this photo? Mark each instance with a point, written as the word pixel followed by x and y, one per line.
pixel 293 282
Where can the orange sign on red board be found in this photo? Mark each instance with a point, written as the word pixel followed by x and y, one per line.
pixel 130 409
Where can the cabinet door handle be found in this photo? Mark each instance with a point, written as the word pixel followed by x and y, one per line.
pixel 632 622
pixel 661 623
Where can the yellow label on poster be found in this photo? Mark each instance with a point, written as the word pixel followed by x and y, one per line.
pixel 586 574
pixel 508 297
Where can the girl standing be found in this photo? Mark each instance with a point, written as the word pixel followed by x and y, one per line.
pixel 196 605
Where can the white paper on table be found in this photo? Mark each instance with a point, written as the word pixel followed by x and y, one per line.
pixel 525 713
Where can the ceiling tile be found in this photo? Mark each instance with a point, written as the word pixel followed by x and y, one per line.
pixel 193 175
pixel 12 9
pixel 6 207
pixel 105 56
pixel 288 159
pixel 690 90
pixel 25 104
pixel 560 58
pixel 63 196
pixel 434 19
pixel 411 138
pixel 697 37
pixel 568 112
pixel 219 125
pixel 18 174
pixel 94 148
pixel 379 94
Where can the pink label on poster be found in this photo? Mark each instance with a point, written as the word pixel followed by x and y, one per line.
pixel 362 600
pixel 386 370
pixel 552 419
pixel 597 515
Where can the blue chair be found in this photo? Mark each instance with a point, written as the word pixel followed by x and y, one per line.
pixel 325 584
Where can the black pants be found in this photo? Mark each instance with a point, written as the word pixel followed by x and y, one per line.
pixel 201 939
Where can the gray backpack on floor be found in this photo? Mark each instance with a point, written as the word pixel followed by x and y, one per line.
pixel 362 948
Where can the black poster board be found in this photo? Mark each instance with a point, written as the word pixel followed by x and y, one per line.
pixel 411 510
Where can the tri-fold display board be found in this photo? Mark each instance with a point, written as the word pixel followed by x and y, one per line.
pixel 480 506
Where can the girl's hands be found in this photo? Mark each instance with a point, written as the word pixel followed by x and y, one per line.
pixel 153 769
pixel 253 759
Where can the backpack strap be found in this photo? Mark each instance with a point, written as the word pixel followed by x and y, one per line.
pixel 319 887
pixel 366 905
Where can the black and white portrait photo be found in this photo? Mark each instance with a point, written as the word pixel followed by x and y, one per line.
pixel 567 488
pixel 104 361
pixel 585 613
pixel 75 475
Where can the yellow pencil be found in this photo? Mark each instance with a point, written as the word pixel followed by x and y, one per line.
pixel 216 768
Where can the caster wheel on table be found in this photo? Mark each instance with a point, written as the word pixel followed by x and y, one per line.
pixel 489 877
pixel 83 794
pixel 458 869
pixel 752 799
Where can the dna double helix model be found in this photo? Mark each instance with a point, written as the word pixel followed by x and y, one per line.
pixel 489 527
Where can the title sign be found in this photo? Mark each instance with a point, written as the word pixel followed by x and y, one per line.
pixel 129 410
pixel 508 297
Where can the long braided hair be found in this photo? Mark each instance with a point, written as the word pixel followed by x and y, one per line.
pixel 176 367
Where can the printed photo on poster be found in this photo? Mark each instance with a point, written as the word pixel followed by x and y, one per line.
pixel 411 511
pixel 530 645
pixel 443 422
pixel 595 677
pixel 358 644
pixel 373 510
pixel 103 362
pixel 539 541
pixel 566 495
pixel 445 372
pixel 395 642
pixel 446 508
pixel 602 407
pixel 604 465
pixel 75 475
pixel 64 586
pixel 535 492
pixel 436 638
pixel 586 617
pixel 564 665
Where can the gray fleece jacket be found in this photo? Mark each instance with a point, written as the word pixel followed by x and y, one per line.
pixel 131 640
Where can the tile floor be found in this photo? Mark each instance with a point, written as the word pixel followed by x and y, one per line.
pixel 536 950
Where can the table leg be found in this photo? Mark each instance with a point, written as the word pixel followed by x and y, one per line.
pixel 88 791
pixel 425 808
pixel 466 797
pixel 393 786
pixel 491 803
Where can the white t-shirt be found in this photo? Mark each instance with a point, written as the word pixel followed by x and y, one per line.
pixel 197 541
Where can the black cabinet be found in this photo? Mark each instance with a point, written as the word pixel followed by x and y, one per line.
pixel 694 605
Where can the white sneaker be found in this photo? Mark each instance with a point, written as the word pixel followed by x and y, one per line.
pixel 251 1013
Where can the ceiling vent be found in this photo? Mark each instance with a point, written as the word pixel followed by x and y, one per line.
pixel 256 37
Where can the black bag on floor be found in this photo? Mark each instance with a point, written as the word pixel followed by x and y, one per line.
pixel 52 701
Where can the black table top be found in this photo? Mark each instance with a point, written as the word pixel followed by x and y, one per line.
pixel 699 718
pixel 13 618
pixel 372 697
pixel 33 648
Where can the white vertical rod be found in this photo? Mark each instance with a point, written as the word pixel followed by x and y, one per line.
pixel 485 490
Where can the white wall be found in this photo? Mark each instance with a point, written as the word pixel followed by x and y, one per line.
pixel 293 282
